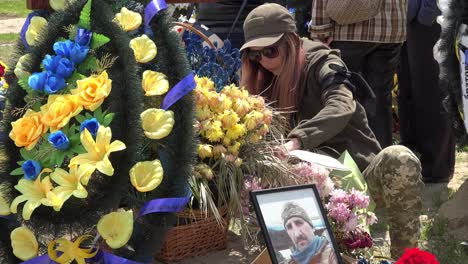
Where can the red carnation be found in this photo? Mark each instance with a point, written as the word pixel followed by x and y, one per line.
pixel 417 256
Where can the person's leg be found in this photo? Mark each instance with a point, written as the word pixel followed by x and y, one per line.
pixel 432 127
pixel 380 66
pixel 394 182
pixel 405 100
pixel 353 53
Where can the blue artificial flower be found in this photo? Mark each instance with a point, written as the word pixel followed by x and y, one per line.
pixel 54 83
pixel 51 62
pixel 31 169
pixel 37 81
pixel 63 48
pixel 83 37
pixel 92 125
pixel 59 140
pixel 65 68
pixel 78 53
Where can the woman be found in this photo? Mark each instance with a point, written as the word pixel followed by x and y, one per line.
pixel 304 77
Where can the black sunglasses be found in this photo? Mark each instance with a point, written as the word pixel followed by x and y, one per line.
pixel 269 52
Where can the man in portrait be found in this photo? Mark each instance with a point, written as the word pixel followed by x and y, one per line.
pixel 309 248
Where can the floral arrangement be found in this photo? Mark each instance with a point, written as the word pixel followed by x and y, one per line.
pixel 221 65
pixel 3 69
pixel 89 137
pixel 226 121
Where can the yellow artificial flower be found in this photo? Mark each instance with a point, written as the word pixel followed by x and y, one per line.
pixel 242 107
pixel 59 110
pixel 70 183
pixel 229 118
pixel 35 29
pixel 267 116
pixel 220 103
pixel 27 130
pixel 204 83
pixel 234 149
pixel 253 119
pixel 4 206
pixel 147 175
pixel 236 131
pixel 257 102
pixel 212 130
pixel 35 193
pixel 203 170
pixel 128 20
pixel 92 91
pixel 263 130
pixel 70 251
pixel 58 5
pixel 254 138
pixel 157 123
pixel 24 243
pixel 116 228
pixel 144 49
pixel 219 150
pixel 205 151
pixel 98 151
pixel 154 83
pixel 203 112
pixel 20 69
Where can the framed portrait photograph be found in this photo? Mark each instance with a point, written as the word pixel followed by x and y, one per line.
pixel 295 226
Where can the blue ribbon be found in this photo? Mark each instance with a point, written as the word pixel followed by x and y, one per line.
pixel 44 259
pixel 181 89
pixel 108 258
pixel 26 26
pixel 164 205
pixel 152 9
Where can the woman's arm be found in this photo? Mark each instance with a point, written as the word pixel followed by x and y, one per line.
pixel 339 107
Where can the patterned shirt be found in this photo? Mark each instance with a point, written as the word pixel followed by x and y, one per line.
pixel 388 26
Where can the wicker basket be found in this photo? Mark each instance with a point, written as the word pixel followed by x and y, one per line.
pixel 201 234
pixel 38 5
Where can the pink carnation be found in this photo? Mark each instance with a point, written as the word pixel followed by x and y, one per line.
pixel 352 223
pixel 316 174
pixel 339 196
pixel 357 199
pixel 339 211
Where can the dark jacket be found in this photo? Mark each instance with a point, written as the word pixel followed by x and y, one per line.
pixel 425 11
pixel 329 118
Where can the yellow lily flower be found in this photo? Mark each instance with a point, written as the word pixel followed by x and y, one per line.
pixel 143 48
pixel 116 228
pixel 70 250
pixel 34 30
pixel 128 20
pixel 147 175
pixel 70 182
pixel 154 83
pixel 4 206
pixel 98 151
pixel 58 5
pixel 35 193
pixel 24 243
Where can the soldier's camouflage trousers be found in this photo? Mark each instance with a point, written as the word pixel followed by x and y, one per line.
pixel 394 182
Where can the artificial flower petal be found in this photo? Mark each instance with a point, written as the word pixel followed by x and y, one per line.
pixel 24 243
pixel 116 228
pixel 59 110
pixel 27 130
pixel 154 83
pixel 98 151
pixel 58 5
pixel 70 251
pixel 70 182
pixel 20 69
pixel 92 91
pixel 4 206
pixel 128 20
pixel 34 30
pixel 147 175
pixel 143 48
pixel 157 123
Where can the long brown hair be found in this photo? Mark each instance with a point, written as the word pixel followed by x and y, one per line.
pixel 283 90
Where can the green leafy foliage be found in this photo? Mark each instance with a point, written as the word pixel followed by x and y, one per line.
pixel 72 80
pixel 85 16
pixel 88 65
pixel 98 40
pixel 23 83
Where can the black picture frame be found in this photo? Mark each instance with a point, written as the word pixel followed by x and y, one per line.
pixel 274 237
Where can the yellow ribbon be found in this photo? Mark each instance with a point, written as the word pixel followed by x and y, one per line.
pixel 70 250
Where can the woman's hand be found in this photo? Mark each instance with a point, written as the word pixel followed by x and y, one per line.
pixel 283 151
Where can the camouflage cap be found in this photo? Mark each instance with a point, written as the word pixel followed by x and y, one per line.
pixel 292 209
